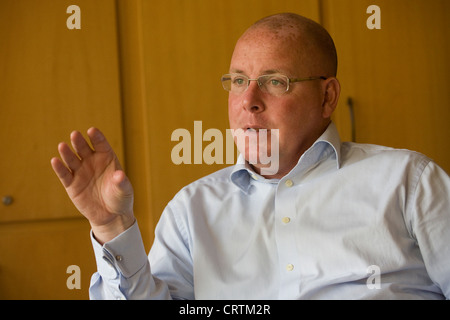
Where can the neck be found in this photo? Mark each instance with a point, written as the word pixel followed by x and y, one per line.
pixel 285 162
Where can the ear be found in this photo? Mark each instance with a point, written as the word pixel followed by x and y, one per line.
pixel 331 89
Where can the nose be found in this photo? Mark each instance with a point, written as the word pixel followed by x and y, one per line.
pixel 252 98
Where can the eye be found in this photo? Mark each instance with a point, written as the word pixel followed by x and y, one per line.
pixel 238 81
pixel 275 81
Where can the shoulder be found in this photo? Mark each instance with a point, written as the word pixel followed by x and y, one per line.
pixel 218 177
pixel 214 185
pixel 381 155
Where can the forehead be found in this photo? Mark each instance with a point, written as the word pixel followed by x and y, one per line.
pixel 260 51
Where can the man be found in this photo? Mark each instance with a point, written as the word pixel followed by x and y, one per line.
pixel 336 221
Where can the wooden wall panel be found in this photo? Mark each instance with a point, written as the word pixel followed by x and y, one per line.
pixel 53 80
pixel 397 75
pixel 35 257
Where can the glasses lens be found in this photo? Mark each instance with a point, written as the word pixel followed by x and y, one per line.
pixel 274 84
pixel 226 82
pixel 235 83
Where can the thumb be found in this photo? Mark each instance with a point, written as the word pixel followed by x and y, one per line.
pixel 122 190
pixel 122 184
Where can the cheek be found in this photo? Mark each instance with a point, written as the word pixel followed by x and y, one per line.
pixel 302 110
pixel 232 112
pixel 288 129
pixel 289 115
pixel 294 121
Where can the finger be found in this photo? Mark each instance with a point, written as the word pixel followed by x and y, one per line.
pixel 63 173
pixel 70 159
pixel 80 145
pixel 100 144
pixel 98 140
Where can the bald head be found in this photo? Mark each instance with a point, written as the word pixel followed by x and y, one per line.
pixel 305 37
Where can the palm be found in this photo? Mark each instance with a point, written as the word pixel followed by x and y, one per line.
pixel 96 184
pixel 92 189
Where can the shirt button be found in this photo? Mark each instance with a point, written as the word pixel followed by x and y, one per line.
pixel 119 258
pixel 288 183
pixel 286 220
pixel 290 267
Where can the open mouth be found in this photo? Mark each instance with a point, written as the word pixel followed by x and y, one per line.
pixel 250 129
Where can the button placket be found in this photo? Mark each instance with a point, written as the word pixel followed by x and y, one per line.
pixel 286 211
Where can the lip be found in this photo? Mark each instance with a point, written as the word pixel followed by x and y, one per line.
pixel 254 128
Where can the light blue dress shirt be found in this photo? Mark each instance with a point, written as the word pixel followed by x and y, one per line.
pixel 350 221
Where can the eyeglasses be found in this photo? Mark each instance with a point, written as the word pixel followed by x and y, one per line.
pixel 274 84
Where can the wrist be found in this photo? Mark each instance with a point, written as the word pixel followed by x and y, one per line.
pixel 107 232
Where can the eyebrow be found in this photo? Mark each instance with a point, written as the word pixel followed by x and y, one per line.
pixel 269 71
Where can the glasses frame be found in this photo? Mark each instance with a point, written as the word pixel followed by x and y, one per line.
pixel 228 76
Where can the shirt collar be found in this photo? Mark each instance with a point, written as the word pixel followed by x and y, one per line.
pixel 328 145
pixel 330 138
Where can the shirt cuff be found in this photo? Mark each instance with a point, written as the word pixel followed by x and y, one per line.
pixel 125 254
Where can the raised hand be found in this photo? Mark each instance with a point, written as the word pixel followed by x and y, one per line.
pixel 96 184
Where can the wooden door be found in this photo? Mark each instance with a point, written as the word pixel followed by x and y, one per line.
pixel 396 76
pixel 53 80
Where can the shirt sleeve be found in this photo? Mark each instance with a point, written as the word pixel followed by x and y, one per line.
pixel 123 270
pixel 171 253
pixel 431 223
